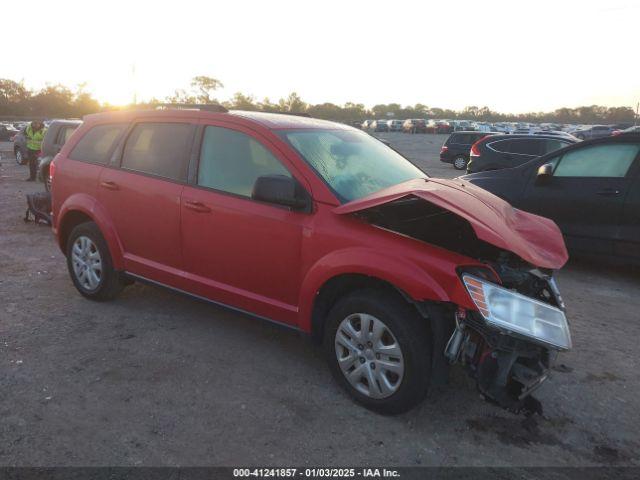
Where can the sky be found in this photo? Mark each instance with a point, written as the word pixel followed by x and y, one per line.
pixel 512 56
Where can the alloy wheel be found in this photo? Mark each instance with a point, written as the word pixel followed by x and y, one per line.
pixel 459 163
pixel 87 263
pixel 369 355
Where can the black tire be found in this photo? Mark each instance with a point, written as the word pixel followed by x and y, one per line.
pixel 461 166
pixel 111 282
pixel 46 180
pixel 412 335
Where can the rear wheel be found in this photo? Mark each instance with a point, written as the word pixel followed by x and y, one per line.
pixel 90 265
pixel 460 162
pixel 379 350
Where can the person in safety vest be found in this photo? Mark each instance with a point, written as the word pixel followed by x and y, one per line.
pixel 34 133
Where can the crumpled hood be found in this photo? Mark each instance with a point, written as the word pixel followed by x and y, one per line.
pixel 535 239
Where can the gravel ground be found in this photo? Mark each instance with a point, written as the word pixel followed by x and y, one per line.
pixel 155 378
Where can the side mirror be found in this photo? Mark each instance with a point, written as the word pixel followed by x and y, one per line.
pixel 280 190
pixel 545 172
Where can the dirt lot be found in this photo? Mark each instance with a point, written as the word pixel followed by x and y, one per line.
pixel 155 378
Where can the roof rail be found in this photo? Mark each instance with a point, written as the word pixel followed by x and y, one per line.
pixel 297 114
pixel 205 107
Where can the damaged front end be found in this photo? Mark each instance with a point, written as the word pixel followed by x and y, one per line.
pixel 510 340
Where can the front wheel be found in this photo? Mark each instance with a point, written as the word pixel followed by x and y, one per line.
pixel 90 265
pixel 460 163
pixel 379 350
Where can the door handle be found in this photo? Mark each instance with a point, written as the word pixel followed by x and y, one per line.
pixel 608 192
pixel 109 185
pixel 196 206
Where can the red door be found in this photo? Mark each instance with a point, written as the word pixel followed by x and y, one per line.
pixel 238 251
pixel 143 198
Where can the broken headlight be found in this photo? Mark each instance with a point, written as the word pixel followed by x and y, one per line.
pixel 515 313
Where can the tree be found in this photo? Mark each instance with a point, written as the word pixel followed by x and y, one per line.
pixel 267 106
pixel 204 87
pixel 84 103
pixel 241 101
pixel 293 103
pixel 13 97
pixel 52 101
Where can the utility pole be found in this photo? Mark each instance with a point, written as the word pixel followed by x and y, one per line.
pixel 133 82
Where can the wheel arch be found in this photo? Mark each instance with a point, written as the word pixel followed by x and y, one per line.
pixel 82 208
pixel 342 272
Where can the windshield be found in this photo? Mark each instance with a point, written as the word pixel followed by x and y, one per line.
pixel 354 164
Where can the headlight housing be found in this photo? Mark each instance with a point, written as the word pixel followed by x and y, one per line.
pixel 512 312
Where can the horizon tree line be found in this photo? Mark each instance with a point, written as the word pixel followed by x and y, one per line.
pixel 59 101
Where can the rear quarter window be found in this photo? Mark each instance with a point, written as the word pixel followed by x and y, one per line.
pixel 98 143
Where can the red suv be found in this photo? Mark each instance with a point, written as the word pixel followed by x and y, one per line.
pixel 321 227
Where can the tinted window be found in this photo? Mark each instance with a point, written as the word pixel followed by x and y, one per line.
pixel 159 149
pixel 502 146
pixel 97 144
pixel 552 145
pixel 64 134
pixel 597 161
pixel 463 138
pixel 231 161
pixel 526 146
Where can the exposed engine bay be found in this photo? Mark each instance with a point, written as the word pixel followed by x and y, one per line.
pixel 507 366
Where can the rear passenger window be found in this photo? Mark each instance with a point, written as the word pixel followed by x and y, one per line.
pixel 462 139
pixel 526 146
pixel 501 146
pixel 97 144
pixel 231 161
pixel 159 149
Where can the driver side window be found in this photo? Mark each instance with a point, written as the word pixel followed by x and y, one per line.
pixel 231 161
pixel 611 161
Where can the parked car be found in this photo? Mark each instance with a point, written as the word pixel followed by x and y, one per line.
pixel 507 151
pixel 414 125
pixel 395 125
pixel 635 129
pixel 556 133
pixel 443 126
pixel 7 132
pixel 597 131
pixel 20 146
pixel 56 136
pixel 323 228
pixel 590 189
pixel 380 125
pixel 366 124
pixel 455 149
